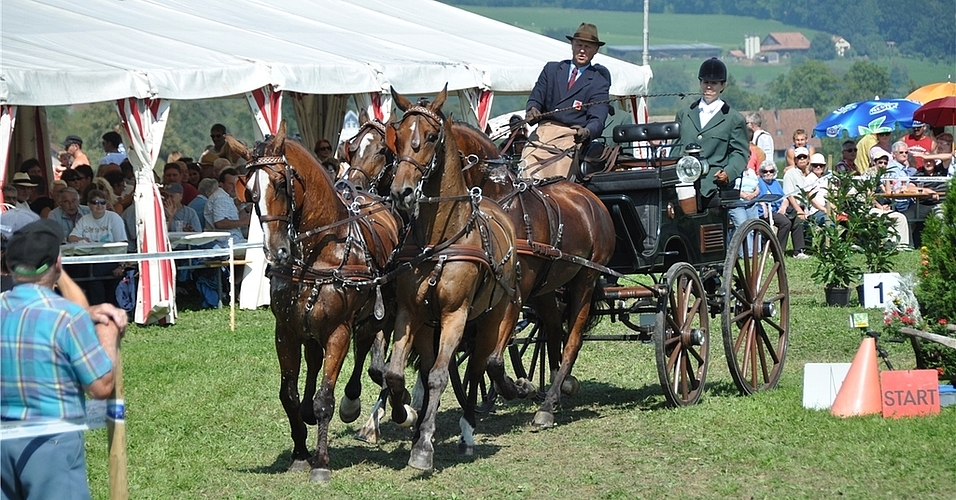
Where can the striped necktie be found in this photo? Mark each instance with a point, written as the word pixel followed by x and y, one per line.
pixel 574 76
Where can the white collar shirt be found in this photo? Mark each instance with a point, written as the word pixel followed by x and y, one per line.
pixel 708 111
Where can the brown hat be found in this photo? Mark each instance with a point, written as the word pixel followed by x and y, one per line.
pixel 587 32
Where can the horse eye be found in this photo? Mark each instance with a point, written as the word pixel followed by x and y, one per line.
pixel 432 137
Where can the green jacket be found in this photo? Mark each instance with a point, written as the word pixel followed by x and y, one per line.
pixel 723 142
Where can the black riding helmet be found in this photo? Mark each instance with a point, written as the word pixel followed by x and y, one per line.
pixel 712 70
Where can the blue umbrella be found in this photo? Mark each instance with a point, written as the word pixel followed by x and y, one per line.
pixel 867 117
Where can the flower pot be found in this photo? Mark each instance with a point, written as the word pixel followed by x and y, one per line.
pixel 837 296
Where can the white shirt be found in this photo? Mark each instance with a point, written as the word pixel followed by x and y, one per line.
pixel 708 111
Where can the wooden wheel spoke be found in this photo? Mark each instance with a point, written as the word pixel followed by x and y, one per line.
pixel 767 282
pixel 681 362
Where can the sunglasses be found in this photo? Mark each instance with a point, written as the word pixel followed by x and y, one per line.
pixel 768 171
pixel 800 157
pixel 850 150
pixel 818 166
pixel 325 148
pixel 216 136
pixel 881 162
pixel 97 202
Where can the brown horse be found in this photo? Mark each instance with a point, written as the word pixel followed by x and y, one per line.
pixel 325 256
pixel 555 220
pixel 459 251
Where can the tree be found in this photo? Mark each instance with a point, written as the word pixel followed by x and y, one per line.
pixel 863 81
pixel 810 84
pixel 821 47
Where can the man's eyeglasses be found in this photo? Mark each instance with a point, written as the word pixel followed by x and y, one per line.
pixel 97 202
pixel 850 150
pixel 215 136
pixel 881 162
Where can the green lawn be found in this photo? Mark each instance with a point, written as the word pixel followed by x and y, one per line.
pixel 204 421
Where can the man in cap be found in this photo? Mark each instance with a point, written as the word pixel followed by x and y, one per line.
pixel 719 129
pixel 919 143
pixel 74 146
pixel 569 102
pixel 179 217
pixel 880 159
pixel 53 350
pixel 795 184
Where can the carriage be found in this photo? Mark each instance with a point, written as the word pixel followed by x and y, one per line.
pixel 457 273
pixel 694 273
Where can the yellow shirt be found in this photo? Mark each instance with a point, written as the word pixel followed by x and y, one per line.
pixel 863 146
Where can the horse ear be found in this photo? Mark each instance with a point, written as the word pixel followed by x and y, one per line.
pixel 279 141
pixel 440 100
pixel 234 149
pixel 390 136
pixel 401 101
pixel 363 117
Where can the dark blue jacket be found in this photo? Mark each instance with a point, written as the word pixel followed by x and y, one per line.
pixel 551 92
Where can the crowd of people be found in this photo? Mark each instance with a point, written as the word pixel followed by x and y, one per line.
pixel 96 206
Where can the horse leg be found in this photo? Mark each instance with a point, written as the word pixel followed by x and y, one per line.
pixel 402 414
pixel 289 352
pixel 376 371
pixel 491 347
pixel 336 348
pixel 313 361
pixel 351 405
pixel 579 291
pixel 452 329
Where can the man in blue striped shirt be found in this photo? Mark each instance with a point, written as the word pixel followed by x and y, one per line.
pixel 52 350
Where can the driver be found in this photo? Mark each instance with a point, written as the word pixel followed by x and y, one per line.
pixel 570 104
pixel 720 130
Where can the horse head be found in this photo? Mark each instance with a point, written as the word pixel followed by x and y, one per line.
pixel 423 146
pixel 368 157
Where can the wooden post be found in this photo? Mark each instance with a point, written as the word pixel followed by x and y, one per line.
pixel 116 433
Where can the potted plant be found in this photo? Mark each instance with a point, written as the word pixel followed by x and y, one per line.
pixel 833 243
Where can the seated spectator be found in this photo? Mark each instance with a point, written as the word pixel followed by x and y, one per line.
pixel 221 212
pixel 880 158
pixel 117 183
pixel 25 187
pixel 943 157
pixel 112 201
pixel 56 187
pixel 323 151
pixel 776 212
pixel 194 174
pixel 796 188
pixel 100 226
pixel 206 188
pixel 919 142
pixel 69 211
pixel 800 140
pixel 173 173
pixel 847 163
pixel 112 145
pixel 179 217
pixel 39 201
pixel 817 188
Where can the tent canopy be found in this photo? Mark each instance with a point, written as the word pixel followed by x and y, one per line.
pixel 57 52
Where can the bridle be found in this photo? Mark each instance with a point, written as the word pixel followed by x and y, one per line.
pixel 369 127
pixel 272 165
pixel 426 170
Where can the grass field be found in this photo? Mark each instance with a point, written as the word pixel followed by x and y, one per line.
pixel 204 421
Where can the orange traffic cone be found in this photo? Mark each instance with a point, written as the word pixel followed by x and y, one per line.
pixel 860 392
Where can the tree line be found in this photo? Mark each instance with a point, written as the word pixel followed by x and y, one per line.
pixel 920 29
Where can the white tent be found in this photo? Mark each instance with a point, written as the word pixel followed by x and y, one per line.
pixel 142 54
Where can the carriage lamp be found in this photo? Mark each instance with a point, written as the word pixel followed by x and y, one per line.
pixel 691 166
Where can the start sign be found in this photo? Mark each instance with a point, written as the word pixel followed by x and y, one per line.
pixel 910 393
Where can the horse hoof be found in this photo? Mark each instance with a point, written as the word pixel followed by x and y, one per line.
pixel 421 460
pixel 299 466
pixel 526 388
pixel 543 420
pixel 320 476
pixel 350 409
pixel 465 449
pixel 570 386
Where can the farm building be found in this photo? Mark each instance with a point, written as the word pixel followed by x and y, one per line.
pixel 785 44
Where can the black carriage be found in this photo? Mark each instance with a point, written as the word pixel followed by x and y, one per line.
pixel 694 273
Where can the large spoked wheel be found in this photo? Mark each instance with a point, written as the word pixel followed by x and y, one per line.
pixel 682 336
pixel 756 308
pixel 459 378
pixel 529 350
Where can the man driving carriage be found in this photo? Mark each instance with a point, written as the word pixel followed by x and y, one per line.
pixel 719 129
pixel 570 104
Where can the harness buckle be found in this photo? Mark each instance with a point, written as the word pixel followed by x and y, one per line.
pixel 475 193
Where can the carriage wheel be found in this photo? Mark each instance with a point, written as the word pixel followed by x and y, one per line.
pixel 459 378
pixel 682 336
pixel 529 351
pixel 756 308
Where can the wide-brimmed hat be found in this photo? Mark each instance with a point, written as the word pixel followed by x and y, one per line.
pixel 586 32
pixel 23 179
pixel 877 152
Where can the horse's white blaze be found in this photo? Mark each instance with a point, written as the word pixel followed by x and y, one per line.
pixel 467 432
pixel 364 144
pixel 261 180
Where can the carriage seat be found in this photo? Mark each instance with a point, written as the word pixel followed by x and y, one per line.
pixel 657 131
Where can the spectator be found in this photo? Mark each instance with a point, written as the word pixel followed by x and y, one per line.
pixel 112 144
pixel 865 144
pixel 25 188
pixel 323 151
pixel 39 201
pixel 82 181
pixel 74 146
pixel 112 201
pixel 69 211
pixel 193 174
pixel 173 173
pixel 719 130
pixel 761 138
pixel 118 187
pixel 100 226
pixel 794 187
pixel 818 187
pixel 561 89
pixel 54 351
pixel 221 213
pixel 179 217
pixel 880 159
pixel 847 163
pixel 64 160
pixel 943 157
pixel 800 140
pixel 218 135
pixel 55 188
pixel 206 188
pixel 13 217
pixel 918 143
pixel 33 167
pixel 776 211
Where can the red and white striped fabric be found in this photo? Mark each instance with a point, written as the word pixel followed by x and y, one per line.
pixel 8 117
pixel 377 106
pixel 144 122
pixel 638 109
pixel 479 102
pixel 266 106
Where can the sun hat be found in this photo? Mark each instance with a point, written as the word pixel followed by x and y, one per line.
pixel 818 159
pixel 34 248
pixel 23 179
pixel 801 151
pixel 586 32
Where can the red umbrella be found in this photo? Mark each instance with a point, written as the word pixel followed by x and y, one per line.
pixel 937 113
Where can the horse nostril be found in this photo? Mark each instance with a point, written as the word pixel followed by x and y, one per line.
pixel 282 253
pixel 407 193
